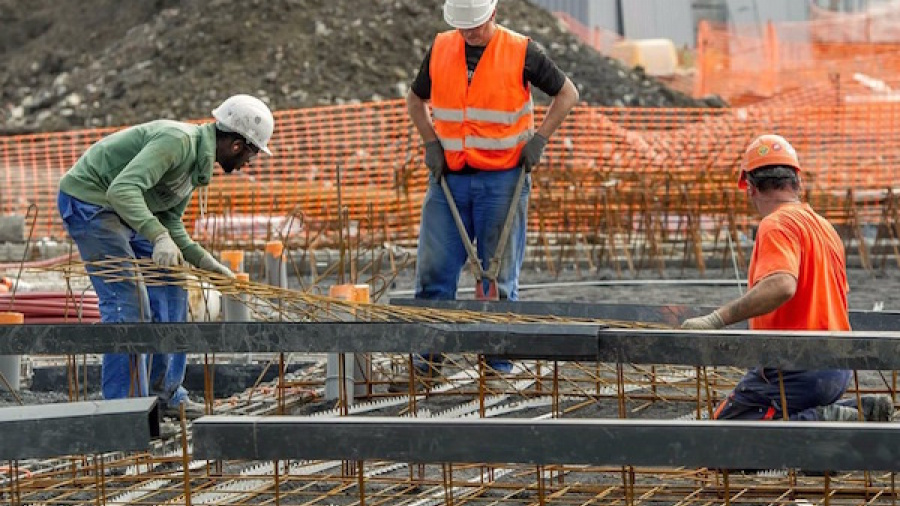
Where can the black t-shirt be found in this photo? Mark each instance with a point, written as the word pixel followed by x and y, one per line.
pixel 540 71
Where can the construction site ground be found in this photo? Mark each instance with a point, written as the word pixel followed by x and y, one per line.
pixel 869 290
pixel 535 390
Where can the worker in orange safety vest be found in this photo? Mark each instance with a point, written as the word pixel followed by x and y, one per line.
pixel 479 136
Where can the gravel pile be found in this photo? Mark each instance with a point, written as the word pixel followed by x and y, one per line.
pixel 98 63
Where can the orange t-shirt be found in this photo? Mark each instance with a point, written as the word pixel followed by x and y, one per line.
pixel 796 240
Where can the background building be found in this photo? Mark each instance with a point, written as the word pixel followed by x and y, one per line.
pixel 677 19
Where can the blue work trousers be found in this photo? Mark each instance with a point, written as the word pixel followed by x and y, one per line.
pixel 483 199
pixel 758 395
pixel 99 234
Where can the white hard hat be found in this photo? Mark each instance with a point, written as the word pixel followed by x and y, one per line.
pixel 467 14
pixel 247 116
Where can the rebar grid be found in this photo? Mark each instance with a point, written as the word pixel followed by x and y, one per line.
pixel 569 390
pixel 462 388
pixel 269 303
pixel 146 479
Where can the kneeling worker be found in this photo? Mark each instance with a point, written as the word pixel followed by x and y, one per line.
pixel 797 281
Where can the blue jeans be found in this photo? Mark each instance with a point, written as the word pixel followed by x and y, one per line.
pixel 99 233
pixel 483 200
pixel 758 395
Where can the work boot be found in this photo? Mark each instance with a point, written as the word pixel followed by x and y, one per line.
pixel 192 410
pixel 877 408
pixel 837 413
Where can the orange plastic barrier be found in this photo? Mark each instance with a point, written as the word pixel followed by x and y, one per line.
pixel 602 165
pixel 600 39
pixel 834 58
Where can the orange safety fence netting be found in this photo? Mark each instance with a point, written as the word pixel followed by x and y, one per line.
pixel 600 39
pixel 843 57
pixel 602 165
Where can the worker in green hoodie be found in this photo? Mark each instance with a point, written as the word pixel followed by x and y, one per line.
pixel 125 197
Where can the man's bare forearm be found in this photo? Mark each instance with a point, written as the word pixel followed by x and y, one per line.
pixel 418 114
pixel 562 103
pixel 765 297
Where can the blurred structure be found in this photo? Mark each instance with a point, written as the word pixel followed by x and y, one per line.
pixel 676 20
pixel 836 56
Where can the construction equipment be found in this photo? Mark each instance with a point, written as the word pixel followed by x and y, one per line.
pixel 493 269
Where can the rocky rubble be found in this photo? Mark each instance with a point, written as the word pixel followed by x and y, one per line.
pixel 114 62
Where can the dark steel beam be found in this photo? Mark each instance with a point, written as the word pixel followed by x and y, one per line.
pixel 789 350
pixel 556 341
pixel 672 314
pixel 812 446
pixel 78 428
pixel 743 348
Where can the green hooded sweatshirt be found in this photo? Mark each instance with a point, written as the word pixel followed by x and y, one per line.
pixel 147 174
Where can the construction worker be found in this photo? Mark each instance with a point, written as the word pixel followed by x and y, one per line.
pixel 797 281
pixel 125 197
pixel 478 78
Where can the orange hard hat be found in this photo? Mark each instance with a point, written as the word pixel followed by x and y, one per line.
pixel 767 150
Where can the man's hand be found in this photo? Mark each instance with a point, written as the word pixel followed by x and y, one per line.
pixel 532 152
pixel 208 263
pixel 712 321
pixel 434 159
pixel 165 252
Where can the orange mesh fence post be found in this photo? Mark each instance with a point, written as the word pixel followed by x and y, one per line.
pixel 702 62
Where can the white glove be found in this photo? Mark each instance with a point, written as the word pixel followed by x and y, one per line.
pixel 712 321
pixel 165 252
pixel 208 263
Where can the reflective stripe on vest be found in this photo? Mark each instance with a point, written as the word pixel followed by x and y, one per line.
pixel 456 115
pixel 501 117
pixel 497 144
pixel 484 123
pixel 451 144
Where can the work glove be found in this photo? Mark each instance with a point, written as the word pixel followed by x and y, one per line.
pixel 532 152
pixel 208 263
pixel 434 159
pixel 165 252
pixel 712 321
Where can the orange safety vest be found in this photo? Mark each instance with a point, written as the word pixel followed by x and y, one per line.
pixel 484 124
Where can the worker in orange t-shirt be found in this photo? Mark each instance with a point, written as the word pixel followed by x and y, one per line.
pixel 797 281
